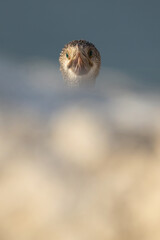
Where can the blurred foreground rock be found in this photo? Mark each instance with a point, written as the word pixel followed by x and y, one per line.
pixel 77 165
pixel 78 175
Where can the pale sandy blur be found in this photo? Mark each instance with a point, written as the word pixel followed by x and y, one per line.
pixel 77 165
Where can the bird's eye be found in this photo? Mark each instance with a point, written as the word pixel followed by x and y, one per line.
pixel 90 53
pixel 67 56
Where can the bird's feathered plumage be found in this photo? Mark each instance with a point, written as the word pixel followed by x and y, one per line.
pixel 80 63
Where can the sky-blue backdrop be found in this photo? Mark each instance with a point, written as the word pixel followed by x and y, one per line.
pixel 127 32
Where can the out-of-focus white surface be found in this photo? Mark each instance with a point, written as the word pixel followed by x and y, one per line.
pixel 77 164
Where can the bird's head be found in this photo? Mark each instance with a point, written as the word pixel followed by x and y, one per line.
pixel 79 62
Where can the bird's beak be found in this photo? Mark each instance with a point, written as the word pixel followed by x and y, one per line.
pixel 79 58
pixel 79 64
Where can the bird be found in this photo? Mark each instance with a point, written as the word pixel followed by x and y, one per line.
pixel 80 63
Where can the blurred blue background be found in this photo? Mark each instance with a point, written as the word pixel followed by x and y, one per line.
pixel 127 33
